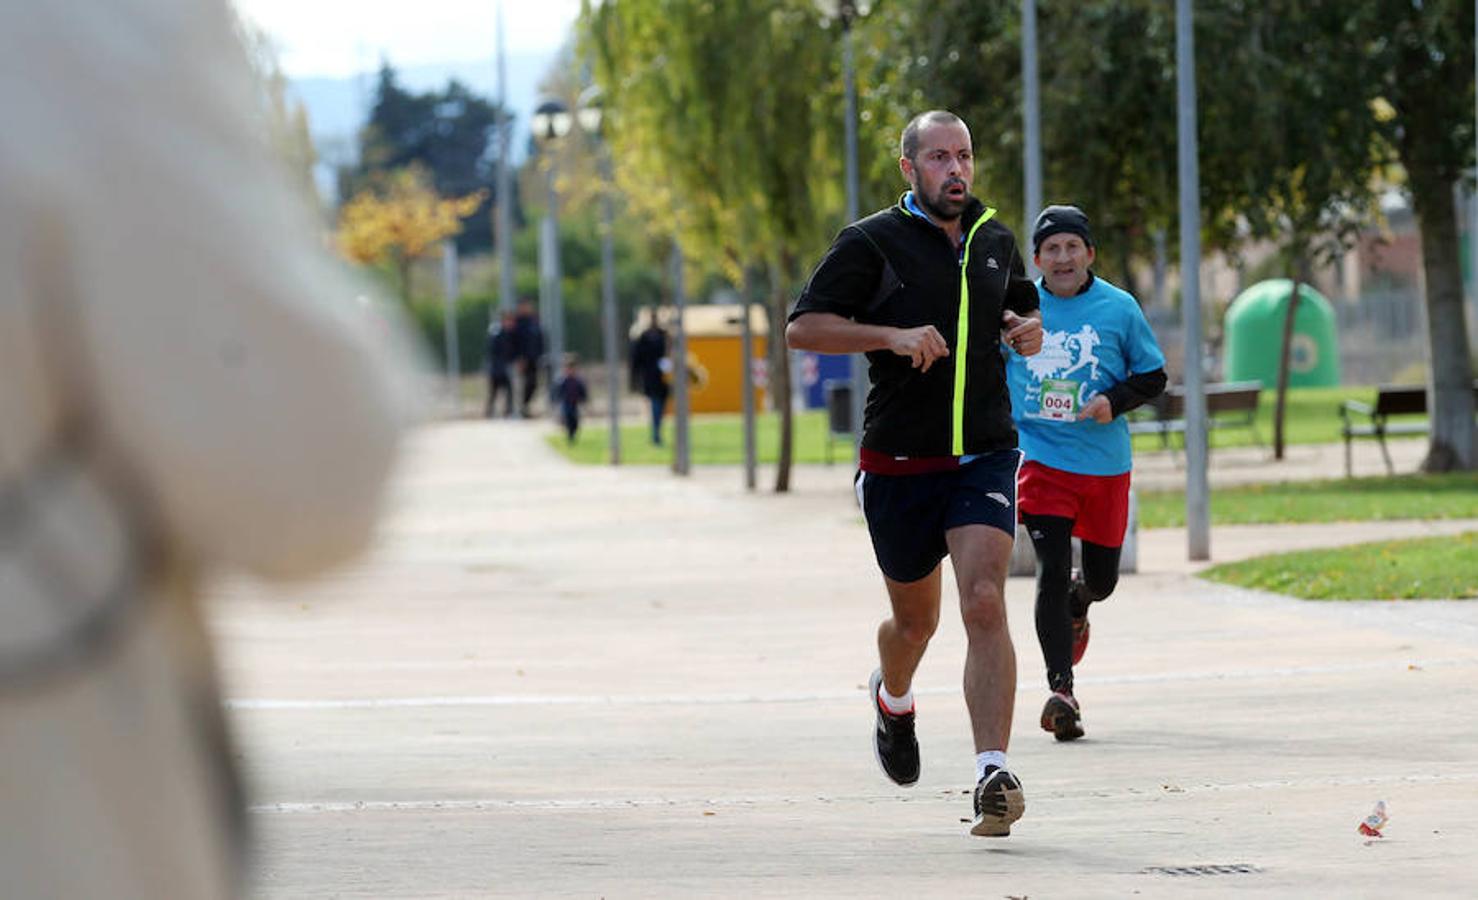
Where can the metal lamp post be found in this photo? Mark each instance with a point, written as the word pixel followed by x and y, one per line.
pixel 1197 493
pixel 504 220
pixel 848 12
pixel 451 291
pixel 591 115
pixel 681 444
pixel 551 122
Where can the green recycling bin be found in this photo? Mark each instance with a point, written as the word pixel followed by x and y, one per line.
pixel 1254 335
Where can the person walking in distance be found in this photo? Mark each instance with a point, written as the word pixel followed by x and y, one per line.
pixel 572 394
pixel 929 289
pixel 649 366
pixel 501 350
pixel 1069 401
pixel 528 344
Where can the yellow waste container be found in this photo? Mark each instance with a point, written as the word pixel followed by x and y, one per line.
pixel 714 353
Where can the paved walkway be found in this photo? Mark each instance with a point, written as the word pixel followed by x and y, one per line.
pixel 559 681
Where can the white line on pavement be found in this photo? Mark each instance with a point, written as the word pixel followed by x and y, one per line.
pixel 951 796
pixel 270 705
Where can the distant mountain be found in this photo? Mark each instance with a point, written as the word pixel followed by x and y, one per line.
pixel 338 107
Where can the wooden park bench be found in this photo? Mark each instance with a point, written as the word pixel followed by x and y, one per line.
pixel 1390 400
pixel 1230 404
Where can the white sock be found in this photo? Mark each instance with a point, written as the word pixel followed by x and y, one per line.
pixel 896 705
pixel 986 758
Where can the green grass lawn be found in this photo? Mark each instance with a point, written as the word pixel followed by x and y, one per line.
pixel 1448 496
pixel 1313 418
pixel 1422 569
pixel 716 439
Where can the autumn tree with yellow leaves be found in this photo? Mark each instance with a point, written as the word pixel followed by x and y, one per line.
pixel 401 220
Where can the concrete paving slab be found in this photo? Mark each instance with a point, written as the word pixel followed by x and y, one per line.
pixel 559 681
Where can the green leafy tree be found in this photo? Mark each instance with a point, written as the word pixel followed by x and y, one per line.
pixel 1109 121
pixel 404 221
pixel 1108 107
pixel 1289 141
pixel 725 126
pixel 1419 56
pixel 452 133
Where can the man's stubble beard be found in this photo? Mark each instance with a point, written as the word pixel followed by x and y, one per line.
pixel 938 207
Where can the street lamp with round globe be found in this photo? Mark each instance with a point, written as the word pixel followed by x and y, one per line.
pixel 591 112
pixel 550 123
pixel 845 11
pixel 590 115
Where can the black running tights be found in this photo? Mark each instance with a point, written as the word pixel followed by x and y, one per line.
pixel 1060 598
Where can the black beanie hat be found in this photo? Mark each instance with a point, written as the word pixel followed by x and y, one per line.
pixel 1057 219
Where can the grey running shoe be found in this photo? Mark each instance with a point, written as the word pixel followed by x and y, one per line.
pixel 893 739
pixel 999 801
pixel 1062 716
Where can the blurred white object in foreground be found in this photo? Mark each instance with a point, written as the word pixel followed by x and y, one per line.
pixel 186 383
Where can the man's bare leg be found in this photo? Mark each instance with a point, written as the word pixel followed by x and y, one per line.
pixel 903 638
pixel 981 555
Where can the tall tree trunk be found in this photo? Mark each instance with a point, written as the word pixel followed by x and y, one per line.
pixel 780 281
pixel 746 374
pixel 1126 268
pixel 1162 262
pixel 1451 374
pixel 1285 359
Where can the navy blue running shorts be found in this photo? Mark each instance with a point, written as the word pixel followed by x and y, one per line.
pixel 907 515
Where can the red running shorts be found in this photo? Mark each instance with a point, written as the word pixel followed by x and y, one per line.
pixel 1097 504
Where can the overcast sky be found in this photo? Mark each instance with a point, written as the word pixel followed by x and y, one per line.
pixel 342 37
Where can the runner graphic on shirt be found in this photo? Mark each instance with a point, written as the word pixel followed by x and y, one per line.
pixel 1063 354
pixel 1084 340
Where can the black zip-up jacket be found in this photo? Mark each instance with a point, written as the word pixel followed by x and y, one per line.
pixel 894 268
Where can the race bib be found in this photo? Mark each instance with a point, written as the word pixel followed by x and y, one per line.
pixel 1059 400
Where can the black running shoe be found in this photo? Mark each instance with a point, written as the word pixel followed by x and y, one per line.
pixel 1062 716
pixel 999 801
pixel 893 740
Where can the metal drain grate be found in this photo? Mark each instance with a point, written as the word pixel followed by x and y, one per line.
pixel 1202 871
